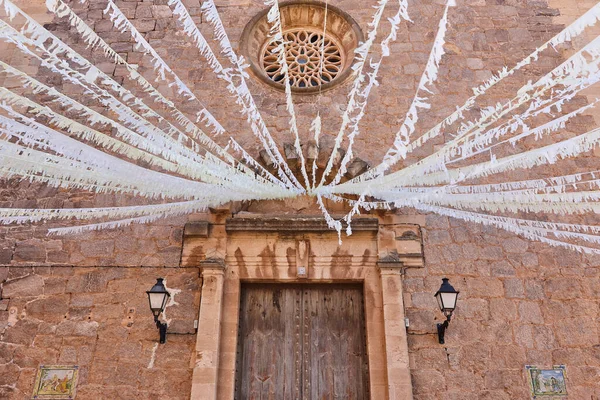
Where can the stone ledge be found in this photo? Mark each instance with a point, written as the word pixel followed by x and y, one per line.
pixel 295 224
pixel 196 229
pixel 409 260
pixel 214 263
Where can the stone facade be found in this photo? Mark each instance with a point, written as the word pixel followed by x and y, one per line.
pixel 80 300
pixel 97 318
pixel 520 303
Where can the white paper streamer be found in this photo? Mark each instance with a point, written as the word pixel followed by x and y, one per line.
pixel 276 34
pixel 364 93
pixel 241 92
pixel 590 18
pixel 360 60
pixel 576 74
pixel 93 40
pixel 506 224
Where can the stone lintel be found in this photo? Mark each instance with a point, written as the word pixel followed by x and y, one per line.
pixel 295 224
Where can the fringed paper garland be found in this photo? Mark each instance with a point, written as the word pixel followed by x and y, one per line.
pixel 566 74
pixel 360 60
pixel 121 22
pixel 29 215
pixel 49 155
pixel 241 92
pixel 590 18
pixel 505 224
pixel 93 40
pixel 401 14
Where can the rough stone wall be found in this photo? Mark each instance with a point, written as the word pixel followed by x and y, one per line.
pixel 520 303
pixel 99 319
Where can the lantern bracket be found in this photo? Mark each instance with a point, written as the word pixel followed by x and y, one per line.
pixel 162 329
pixel 441 329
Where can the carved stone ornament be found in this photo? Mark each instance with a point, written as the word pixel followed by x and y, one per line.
pixel 317 58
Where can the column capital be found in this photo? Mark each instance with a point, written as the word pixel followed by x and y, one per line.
pixel 212 266
pixel 390 264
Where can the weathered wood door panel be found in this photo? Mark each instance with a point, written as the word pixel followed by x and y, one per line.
pixel 270 339
pixel 336 365
pixel 301 342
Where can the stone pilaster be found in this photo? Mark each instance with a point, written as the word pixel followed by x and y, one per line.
pixel 206 366
pixel 396 341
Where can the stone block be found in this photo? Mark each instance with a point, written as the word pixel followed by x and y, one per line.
pixel 54 285
pixel 32 250
pixel 32 285
pixel 161 11
pixel 144 25
pixel 90 282
pixel 68 355
pixel 9 374
pixel 437 238
pixel 503 309
pixel 58 257
pixel 82 300
pixel 51 309
pixel 475 63
pixel 563 288
pixel 356 167
pixel 23 332
pixel 513 288
pixel 428 381
pixel 491 253
pixel 6 256
pixel 502 268
pixel 290 152
pixel 104 25
pixel 143 11
pixel 77 328
pixel 529 311
pixel 98 248
pixel 196 229
pixel 484 287
pixel 515 245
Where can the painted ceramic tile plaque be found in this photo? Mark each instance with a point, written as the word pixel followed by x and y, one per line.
pixel 55 382
pixel 547 382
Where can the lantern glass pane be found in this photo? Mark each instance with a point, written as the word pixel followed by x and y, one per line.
pixel 438 297
pixel 156 300
pixel 449 300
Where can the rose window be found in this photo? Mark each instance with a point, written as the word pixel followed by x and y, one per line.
pixel 313 59
pixel 320 40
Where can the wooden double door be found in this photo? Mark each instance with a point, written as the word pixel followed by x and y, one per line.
pixel 301 342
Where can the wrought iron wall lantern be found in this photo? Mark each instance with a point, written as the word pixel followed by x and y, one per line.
pixel 446 297
pixel 158 296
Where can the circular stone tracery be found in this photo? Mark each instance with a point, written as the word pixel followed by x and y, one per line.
pixel 303 22
pixel 306 67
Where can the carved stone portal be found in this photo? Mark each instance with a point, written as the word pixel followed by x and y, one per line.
pixel 251 248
